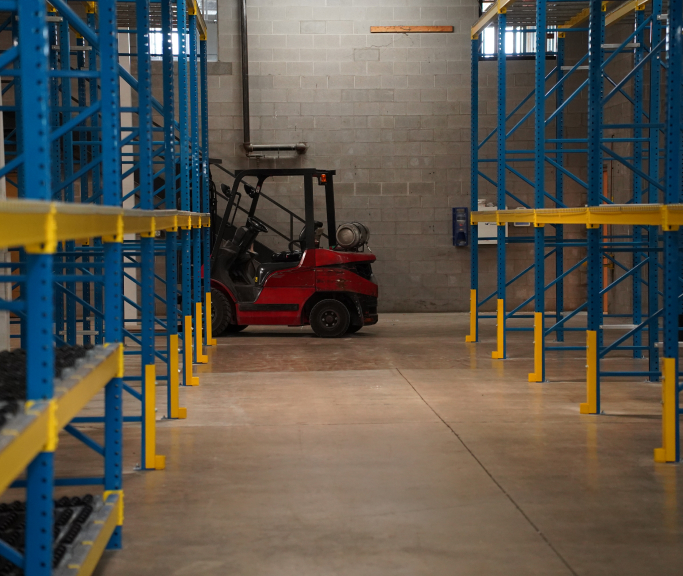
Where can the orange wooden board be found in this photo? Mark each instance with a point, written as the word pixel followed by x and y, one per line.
pixel 404 29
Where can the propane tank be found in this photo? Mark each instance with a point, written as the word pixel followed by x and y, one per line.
pixel 352 236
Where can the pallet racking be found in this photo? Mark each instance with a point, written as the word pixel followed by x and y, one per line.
pixel 648 209
pixel 77 239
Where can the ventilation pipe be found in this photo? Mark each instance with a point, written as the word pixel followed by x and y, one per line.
pixel 250 148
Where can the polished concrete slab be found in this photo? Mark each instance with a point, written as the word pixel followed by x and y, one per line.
pixel 399 451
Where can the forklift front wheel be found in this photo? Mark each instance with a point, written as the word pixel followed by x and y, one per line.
pixel 221 312
pixel 330 319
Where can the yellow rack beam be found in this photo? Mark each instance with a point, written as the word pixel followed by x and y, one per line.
pixel 666 215
pixel 33 223
pixel 624 10
pixel 72 396
pixel 37 428
pixel 500 7
pixel 193 10
pixel 20 441
pixel 486 18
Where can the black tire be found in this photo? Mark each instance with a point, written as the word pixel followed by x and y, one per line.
pixel 354 328
pixel 221 312
pixel 330 319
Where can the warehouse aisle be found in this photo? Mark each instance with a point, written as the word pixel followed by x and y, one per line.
pixel 402 451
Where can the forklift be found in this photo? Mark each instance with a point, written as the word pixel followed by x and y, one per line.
pixel 331 288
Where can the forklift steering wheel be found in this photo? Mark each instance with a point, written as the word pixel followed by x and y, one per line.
pixel 258 225
pixel 292 243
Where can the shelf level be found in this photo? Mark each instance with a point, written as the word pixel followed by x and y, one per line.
pixel 23 437
pixel 34 223
pixel 85 553
pixel 625 214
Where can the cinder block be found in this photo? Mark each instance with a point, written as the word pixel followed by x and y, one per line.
pixel 394 81
pixel 380 68
pixel 299 13
pixel 273 41
pixel 352 41
pixel 328 95
pixel 367 135
pixel 413 122
pixel 314 82
pixel 301 95
pixel 339 54
pixel 312 55
pixel 340 82
pixel 313 27
pixel 366 108
pixel 260 27
pixel 353 68
pixel 287 82
pixel 407 95
pixel 407 68
pixel 422 267
pixel 299 40
pixel 326 68
pixel 394 189
pixel 368 189
pixel 433 95
pixel 274 68
pixel 367 82
pixel 365 54
pixel 299 68
pixel 327 40
pixel 274 95
pixel 260 55
pixel 286 27
pixel 421 81
pixel 393 108
pixel 287 109
pixel 341 26
pixel 410 228
pixel 421 214
pixel 420 135
pixel 421 188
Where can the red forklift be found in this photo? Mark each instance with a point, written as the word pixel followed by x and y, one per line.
pixel 331 288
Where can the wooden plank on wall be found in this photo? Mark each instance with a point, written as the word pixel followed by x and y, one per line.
pixel 406 29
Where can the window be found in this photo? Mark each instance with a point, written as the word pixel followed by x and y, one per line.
pixel 156 43
pixel 209 11
pixel 520 41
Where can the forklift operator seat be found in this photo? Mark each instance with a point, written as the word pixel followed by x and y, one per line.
pixel 235 249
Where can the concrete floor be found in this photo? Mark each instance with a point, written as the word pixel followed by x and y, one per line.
pixel 399 451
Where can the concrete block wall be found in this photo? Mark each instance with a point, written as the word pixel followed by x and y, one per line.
pixel 389 112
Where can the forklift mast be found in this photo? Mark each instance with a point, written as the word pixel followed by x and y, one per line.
pixel 233 197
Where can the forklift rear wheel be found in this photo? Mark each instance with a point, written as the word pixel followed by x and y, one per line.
pixel 330 319
pixel 221 312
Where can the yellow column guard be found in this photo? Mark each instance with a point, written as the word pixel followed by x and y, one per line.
pixel 201 357
pixel 591 406
pixel 174 378
pixel 210 340
pixel 187 340
pixel 500 331
pixel 472 336
pixel 152 459
pixel 537 374
pixel 119 506
pixel 667 453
